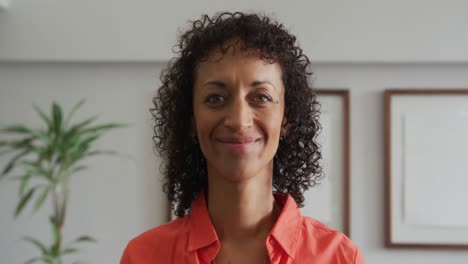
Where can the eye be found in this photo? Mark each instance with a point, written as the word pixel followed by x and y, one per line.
pixel 214 99
pixel 262 98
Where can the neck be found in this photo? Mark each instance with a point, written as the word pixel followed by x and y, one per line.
pixel 241 210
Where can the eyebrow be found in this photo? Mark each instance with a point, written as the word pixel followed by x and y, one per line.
pixel 223 85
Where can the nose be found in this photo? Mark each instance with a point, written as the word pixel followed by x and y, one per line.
pixel 239 115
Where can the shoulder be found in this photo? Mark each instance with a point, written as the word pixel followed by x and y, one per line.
pixel 319 232
pixel 163 233
pixel 327 243
pixel 156 242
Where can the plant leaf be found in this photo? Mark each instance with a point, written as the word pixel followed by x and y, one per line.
pixel 104 127
pixel 21 129
pixel 24 183
pixel 41 135
pixel 102 152
pixel 78 168
pixel 84 143
pixel 23 143
pixel 69 251
pixel 35 168
pixel 72 112
pixel 40 200
pixel 84 239
pixel 3 143
pixel 79 149
pixel 36 243
pixel 11 164
pixel 82 124
pixel 74 132
pixel 24 200
pixel 42 114
pixel 57 118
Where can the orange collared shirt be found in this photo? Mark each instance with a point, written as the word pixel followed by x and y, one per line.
pixel 192 239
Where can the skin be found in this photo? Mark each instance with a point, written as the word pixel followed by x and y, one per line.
pixel 238 115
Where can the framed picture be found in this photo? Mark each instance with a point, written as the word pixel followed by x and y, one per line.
pixel 329 201
pixel 426 145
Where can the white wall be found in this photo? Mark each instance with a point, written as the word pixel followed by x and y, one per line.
pixel 119 198
pixel 144 30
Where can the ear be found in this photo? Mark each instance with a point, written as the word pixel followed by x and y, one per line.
pixel 284 127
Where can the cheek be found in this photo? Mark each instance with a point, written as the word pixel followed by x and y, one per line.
pixel 200 118
pixel 272 123
pixel 273 129
pixel 205 123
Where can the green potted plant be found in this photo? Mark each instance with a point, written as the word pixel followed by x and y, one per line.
pixel 47 157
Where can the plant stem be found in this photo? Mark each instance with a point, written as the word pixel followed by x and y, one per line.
pixel 60 198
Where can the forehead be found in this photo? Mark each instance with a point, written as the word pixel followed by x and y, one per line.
pixel 237 61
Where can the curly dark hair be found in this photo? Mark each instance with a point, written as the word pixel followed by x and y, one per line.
pixel 297 161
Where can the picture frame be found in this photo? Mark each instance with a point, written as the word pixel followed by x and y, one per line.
pixel 425 145
pixel 329 202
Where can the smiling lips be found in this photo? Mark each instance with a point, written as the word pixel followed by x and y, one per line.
pixel 237 140
pixel 238 144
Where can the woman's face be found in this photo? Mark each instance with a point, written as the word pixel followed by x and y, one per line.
pixel 238 113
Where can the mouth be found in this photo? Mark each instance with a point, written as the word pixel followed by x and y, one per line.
pixel 238 144
pixel 238 140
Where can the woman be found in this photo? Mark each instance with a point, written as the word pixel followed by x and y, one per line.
pixel 236 126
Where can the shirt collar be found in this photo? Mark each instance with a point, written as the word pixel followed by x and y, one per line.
pixel 201 229
pixel 202 236
pixel 287 228
pixel 285 231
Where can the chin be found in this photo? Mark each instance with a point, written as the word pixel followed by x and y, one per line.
pixel 239 171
